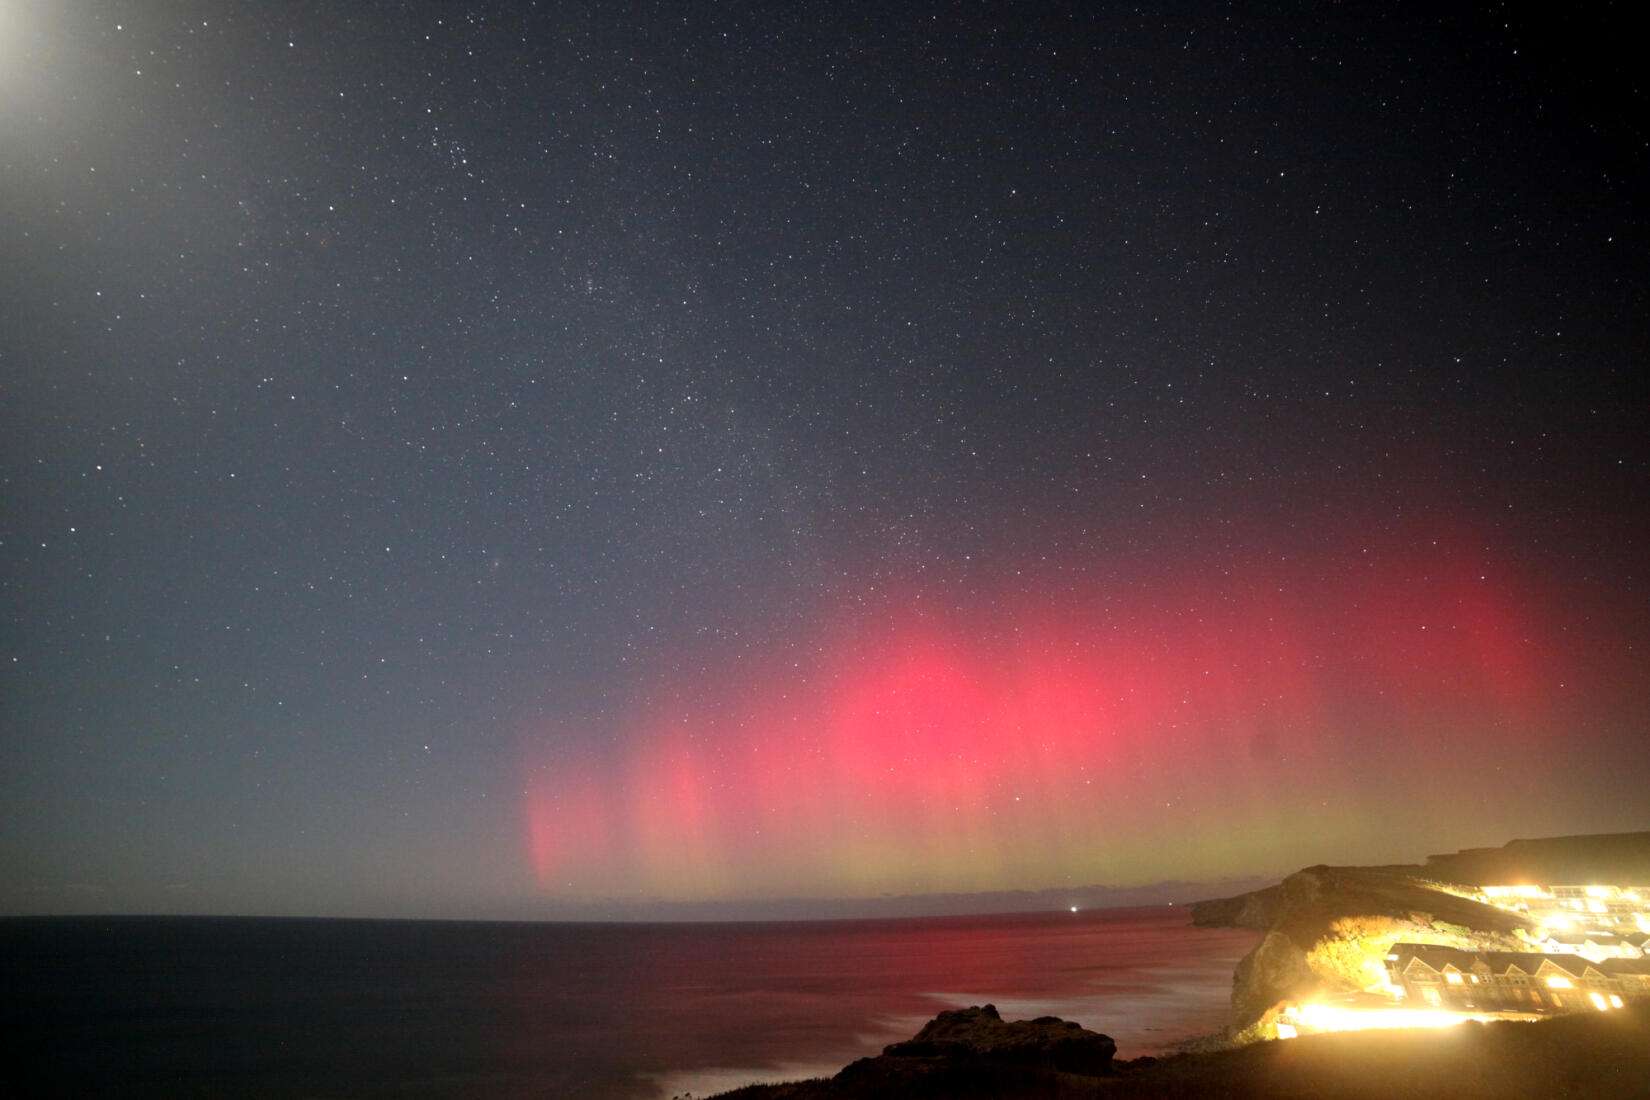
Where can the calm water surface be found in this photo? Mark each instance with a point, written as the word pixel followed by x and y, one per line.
pixel 205 1007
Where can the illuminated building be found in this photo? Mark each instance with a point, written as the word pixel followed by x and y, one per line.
pixel 1621 909
pixel 1514 981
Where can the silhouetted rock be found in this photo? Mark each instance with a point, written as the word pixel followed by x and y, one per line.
pixel 980 1034
pixel 971 1052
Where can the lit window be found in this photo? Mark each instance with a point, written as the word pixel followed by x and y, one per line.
pixel 1452 978
pixel 1615 1001
pixel 1598 1001
pixel 1559 983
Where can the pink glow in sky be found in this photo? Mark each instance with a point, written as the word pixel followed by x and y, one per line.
pixel 1196 724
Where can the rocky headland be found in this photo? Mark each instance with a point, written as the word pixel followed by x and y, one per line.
pixel 1325 930
pixel 1328 929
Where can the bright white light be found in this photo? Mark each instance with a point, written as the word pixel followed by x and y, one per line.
pixel 33 49
pixel 1339 1018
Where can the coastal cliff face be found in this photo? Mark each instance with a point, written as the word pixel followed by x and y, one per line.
pixel 1256 909
pixel 1328 929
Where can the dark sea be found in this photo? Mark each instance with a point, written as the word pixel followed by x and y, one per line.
pixel 159 1007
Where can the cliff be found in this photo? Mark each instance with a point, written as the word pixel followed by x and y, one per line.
pixel 1618 859
pixel 1328 929
pixel 1331 930
pixel 1256 909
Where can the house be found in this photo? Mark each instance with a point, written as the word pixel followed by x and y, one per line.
pixel 1596 946
pixel 1621 909
pixel 1513 981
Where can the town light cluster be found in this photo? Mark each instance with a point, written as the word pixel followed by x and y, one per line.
pixel 1318 1017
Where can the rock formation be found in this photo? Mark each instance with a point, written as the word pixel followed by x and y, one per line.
pixel 980 1034
pixel 1256 909
pixel 975 1052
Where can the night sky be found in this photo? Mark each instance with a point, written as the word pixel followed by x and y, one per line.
pixel 543 460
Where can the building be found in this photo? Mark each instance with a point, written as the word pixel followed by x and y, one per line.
pixel 1620 909
pixel 1596 946
pixel 1514 981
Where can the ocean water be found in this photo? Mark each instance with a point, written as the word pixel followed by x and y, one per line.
pixel 158 1007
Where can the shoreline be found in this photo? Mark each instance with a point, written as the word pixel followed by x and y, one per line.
pixel 1158 1011
pixel 1199 1028
pixel 1331 929
pixel 712 1083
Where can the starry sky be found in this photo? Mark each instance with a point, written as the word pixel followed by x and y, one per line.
pixel 556 459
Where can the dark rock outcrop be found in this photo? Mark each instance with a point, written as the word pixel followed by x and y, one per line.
pixel 975 1052
pixel 980 1034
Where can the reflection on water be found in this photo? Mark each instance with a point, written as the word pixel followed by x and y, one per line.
pixel 181 1007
